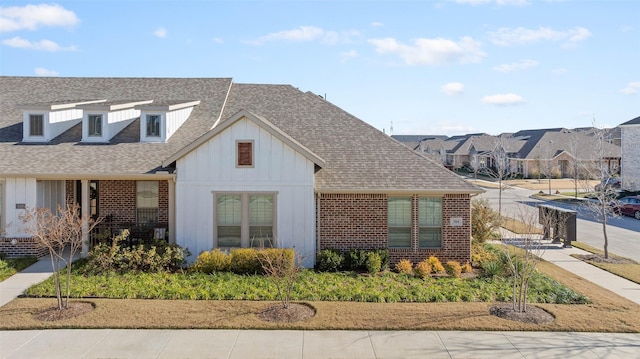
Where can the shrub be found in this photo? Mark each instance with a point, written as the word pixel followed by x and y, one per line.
pixel 373 262
pixel 492 268
pixel 484 219
pixel 283 259
pixel 384 257
pixel 436 266
pixel 467 268
pixel 158 256
pixel 245 261
pixel 330 260
pixel 422 269
pixel 212 261
pixel 357 259
pixel 453 269
pixel 404 266
pixel 480 254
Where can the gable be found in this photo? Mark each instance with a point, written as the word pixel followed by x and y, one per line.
pixel 245 151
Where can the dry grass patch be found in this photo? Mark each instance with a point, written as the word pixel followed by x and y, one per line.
pixel 518 227
pixel 622 267
pixel 608 313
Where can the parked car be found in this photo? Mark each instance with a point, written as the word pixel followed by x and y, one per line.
pixel 611 182
pixel 628 206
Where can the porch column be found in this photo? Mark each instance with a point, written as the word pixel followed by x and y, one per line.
pixel 85 217
pixel 172 210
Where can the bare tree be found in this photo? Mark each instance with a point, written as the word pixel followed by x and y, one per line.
pixel 58 232
pixel 575 149
pixel 522 262
pixel 604 198
pixel 547 161
pixel 501 165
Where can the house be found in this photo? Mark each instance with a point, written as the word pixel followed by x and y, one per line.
pixel 630 142
pixel 218 164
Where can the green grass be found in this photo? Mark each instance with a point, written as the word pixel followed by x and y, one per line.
pixel 387 287
pixel 11 266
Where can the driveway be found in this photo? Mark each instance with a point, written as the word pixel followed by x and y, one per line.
pixel 623 233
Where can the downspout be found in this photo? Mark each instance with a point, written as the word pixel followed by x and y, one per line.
pixel 84 215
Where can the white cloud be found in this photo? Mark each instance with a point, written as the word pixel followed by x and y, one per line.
pixel 218 40
pixel 307 34
pixel 31 17
pixel 497 2
pixel 437 51
pixel 631 89
pixel 508 37
pixel 453 88
pixel 516 66
pixel 160 32
pixel 348 55
pixel 503 99
pixel 44 45
pixel 41 71
pixel 377 24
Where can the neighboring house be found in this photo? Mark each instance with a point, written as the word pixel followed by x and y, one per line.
pixel 413 141
pixel 221 165
pixel 561 153
pixel 631 154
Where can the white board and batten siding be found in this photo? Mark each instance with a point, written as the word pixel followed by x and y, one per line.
pixel 19 194
pixel 277 168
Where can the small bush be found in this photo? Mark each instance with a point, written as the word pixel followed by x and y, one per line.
pixel 404 266
pixel 282 259
pixel 384 257
pixel 492 268
pixel 453 269
pixel 422 269
pixel 374 262
pixel 480 254
pixel 245 261
pixel 330 260
pixel 357 259
pixel 436 266
pixel 212 261
pixel 467 268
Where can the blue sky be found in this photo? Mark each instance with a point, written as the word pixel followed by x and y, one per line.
pixel 427 67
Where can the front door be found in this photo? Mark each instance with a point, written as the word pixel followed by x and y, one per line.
pixel 93 198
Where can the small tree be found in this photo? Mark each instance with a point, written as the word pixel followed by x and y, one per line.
pixel 58 232
pixel 604 200
pixel 282 265
pixel 522 262
pixel 501 165
pixel 484 219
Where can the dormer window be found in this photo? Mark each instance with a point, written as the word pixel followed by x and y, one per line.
pixel 95 125
pixel 36 125
pixel 153 125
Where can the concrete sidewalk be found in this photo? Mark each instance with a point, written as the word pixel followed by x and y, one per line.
pixel 15 285
pixel 110 343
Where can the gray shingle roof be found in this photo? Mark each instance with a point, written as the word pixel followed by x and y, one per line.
pixel 635 121
pixel 358 157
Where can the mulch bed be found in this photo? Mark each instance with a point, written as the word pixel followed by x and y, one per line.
pixel 295 312
pixel 74 309
pixel 599 258
pixel 532 315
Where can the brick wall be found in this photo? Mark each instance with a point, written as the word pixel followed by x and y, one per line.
pixel 347 221
pixel 23 247
pixel 118 199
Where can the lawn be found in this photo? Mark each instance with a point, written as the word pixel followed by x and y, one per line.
pixel 606 313
pixel 629 270
pixel 11 266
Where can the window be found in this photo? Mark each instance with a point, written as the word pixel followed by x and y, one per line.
pixel 244 155
pixel 95 126
pixel 429 222
pixel 36 125
pixel 245 219
pixel 153 125
pixel 146 202
pixel 403 212
pixel 399 222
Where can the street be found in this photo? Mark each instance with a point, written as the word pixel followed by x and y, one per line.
pixel 623 232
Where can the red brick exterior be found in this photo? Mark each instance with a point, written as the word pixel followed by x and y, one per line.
pixel 346 221
pixel 117 198
pixel 23 247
